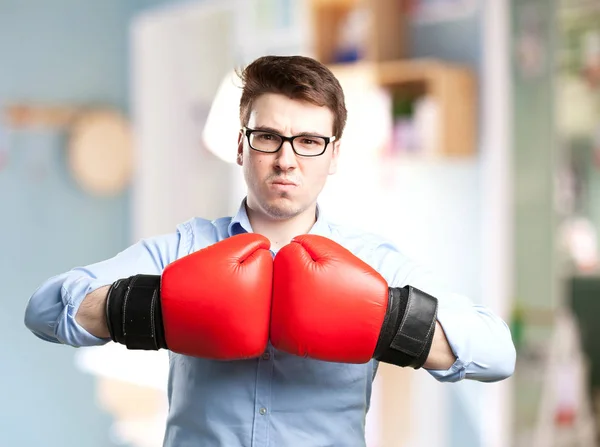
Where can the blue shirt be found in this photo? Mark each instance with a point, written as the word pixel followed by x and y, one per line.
pixel 278 399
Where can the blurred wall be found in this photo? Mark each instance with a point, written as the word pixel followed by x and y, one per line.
pixel 458 41
pixel 59 52
pixel 533 30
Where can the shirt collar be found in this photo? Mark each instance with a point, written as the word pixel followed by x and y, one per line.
pixel 241 224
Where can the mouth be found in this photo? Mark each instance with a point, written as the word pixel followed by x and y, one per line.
pixel 283 182
pixel 283 185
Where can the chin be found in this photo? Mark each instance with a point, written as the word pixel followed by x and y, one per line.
pixel 282 208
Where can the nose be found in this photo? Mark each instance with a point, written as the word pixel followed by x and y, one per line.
pixel 286 158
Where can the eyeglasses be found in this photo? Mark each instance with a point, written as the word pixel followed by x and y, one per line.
pixel 303 145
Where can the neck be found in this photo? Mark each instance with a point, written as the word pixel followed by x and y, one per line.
pixel 281 232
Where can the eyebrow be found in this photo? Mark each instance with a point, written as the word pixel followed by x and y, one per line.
pixel 273 130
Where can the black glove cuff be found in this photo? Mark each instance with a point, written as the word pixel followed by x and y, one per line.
pixel 134 314
pixel 408 328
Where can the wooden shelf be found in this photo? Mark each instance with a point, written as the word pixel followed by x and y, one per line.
pixel 335 3
pixel 452 87
pixel 388 30
pixel 454 90
pixel 328 18
pixel 386 38
pixel 384 62
pixel 32 115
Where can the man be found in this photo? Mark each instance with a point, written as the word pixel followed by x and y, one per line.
pixel 275 319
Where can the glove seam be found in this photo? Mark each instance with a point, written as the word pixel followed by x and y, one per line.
pixel 152 319
pixel 124 309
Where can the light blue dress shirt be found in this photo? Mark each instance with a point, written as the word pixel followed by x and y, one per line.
pixel 278 399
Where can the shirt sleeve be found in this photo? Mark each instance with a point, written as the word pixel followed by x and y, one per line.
pixel 480 340
pixel 50 311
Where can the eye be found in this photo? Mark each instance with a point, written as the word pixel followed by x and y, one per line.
pixel 308 141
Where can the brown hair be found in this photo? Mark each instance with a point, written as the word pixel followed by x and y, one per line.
pixel 297 77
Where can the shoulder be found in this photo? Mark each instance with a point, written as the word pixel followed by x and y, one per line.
pixel 355 238
pixel 378 251
pixel 198 232
pixel 361 241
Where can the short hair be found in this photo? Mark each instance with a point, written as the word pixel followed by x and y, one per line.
pixel 297 77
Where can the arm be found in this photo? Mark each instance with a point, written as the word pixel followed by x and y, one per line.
pixel 470 341
pixel 329 304
pixel 91 315
pixel 441 355
pixel 53 311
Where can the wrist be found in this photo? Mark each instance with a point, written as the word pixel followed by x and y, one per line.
pixel 408 328
pixel 133 312
pixel 90 315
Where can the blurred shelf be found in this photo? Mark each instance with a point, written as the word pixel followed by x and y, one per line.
pixel 383 61
pixel 452 87
pixel 335 3
pixel 33 115
pixel 386 23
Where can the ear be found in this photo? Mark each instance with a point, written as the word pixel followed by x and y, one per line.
pixel 335 153
pixel 240 149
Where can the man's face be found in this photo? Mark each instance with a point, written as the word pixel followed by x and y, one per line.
pixel 282 185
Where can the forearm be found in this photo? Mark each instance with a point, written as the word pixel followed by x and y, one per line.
pixel 470 341
pixel 454 341
pixel 69 308
pixel 51 310
pixel 91 315
pixel 441 355
pixel 482 343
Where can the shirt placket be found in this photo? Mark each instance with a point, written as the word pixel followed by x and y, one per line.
pixel 262 403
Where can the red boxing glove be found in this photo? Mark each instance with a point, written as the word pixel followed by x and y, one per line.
pixel 214 303
pixel 330 305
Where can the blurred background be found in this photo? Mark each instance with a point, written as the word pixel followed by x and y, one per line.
pixel 473 142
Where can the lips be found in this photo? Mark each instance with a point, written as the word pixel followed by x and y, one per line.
pixel 284 182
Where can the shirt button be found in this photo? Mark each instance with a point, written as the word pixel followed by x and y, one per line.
pixel 263 411
pixel 266 356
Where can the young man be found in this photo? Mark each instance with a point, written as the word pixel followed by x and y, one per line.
pixel 275 319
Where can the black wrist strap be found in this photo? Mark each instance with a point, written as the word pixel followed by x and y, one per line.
pixel 133 313
pixel 408 328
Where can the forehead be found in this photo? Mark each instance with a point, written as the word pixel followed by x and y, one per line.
pixel 290 116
